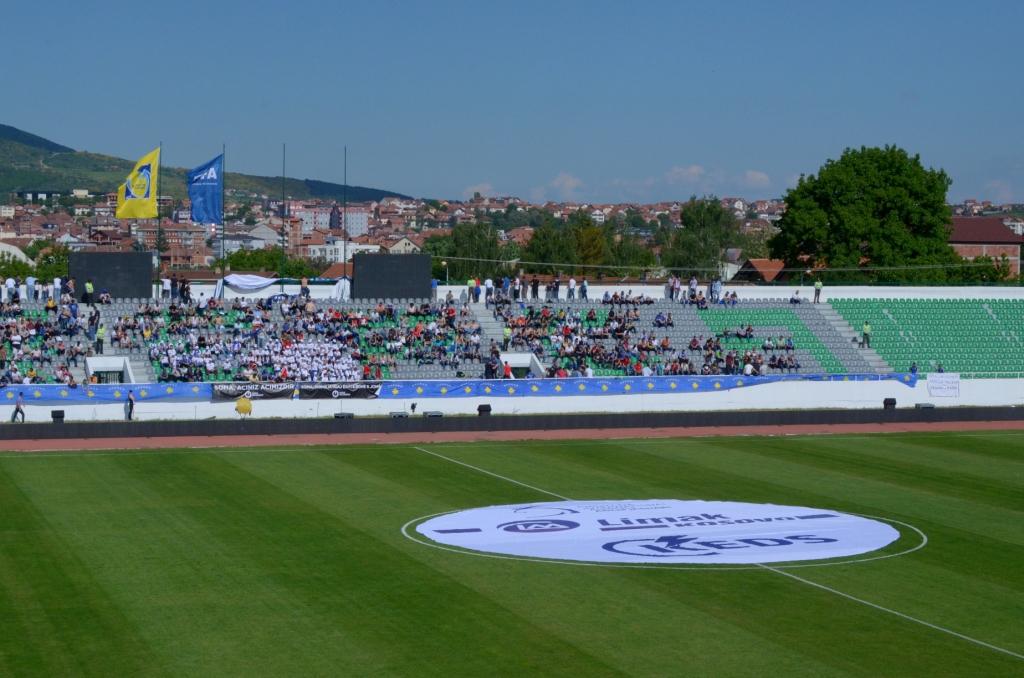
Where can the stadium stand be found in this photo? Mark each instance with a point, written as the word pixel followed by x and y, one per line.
pixel 982 336
pixel 623 338
pixel 42 346
pixel 293 338
pixel 290 338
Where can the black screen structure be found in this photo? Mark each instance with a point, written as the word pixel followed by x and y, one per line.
pixel 391 276
pixel 123 274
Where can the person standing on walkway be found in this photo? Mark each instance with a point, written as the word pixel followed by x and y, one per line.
pixel 101 333
pixel 19 408
pixel 817 290
pixel 129 406
pixel 866 334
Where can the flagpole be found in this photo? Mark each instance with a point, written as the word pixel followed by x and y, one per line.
pixel 223 179
pixel 344 216
pixel 159 171
pixel 284 232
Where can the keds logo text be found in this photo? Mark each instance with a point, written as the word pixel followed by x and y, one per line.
pixel 679 545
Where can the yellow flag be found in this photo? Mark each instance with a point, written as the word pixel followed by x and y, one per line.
pixel 136 197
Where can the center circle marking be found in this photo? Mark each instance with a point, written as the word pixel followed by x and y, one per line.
pixel 658 531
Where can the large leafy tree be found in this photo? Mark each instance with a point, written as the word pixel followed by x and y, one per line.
pixel 13 268
pixel 476 247
pixel 52 262
pixel 440 248
pixel 872 208
pixel 271 259
pixel 550 245
pixel 707 229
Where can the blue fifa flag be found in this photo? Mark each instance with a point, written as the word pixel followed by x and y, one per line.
pixel 206 191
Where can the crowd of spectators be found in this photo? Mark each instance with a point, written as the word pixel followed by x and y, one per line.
pixel 580 340
pixel 40 346
pixel 240 359
pixel 240 341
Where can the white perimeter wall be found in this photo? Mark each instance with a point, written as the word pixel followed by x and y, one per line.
pixel 773 396
pixel 596 291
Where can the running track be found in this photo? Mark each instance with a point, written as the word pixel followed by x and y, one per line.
pixel 128 444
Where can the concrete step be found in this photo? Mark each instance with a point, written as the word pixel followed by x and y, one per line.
pixel 874 362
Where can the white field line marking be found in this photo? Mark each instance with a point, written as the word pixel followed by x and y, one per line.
pixel 496 475
pixel 627 566
pixel 936 627
pixel 816 585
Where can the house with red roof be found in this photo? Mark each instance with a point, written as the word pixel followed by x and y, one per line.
pixel 986 236
pixel 759 270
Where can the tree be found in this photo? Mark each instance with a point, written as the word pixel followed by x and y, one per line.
pixel 476 249
pixel 707 230
pixel 52 263
pixel 440 248
pixel 630 252
pixel 33 249
pixel 985 269
pixel 161 240
pixel 549 246
pixel 270 259
pixel 13 268
pixel 874 207
pixel 511 251
pixel 592 245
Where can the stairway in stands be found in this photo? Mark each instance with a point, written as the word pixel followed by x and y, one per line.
pixel 873 362
pixel 490 327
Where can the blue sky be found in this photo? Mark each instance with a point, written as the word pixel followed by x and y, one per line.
pixel 595 101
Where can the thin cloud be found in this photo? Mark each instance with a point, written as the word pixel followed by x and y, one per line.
pixel 756 179
pixel 482 188
pixel 684 175
pixel 999 190
pixel 566 185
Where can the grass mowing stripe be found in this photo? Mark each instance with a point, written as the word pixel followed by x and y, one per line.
pixel 829 589
pixel 490 473
pixel 847 596
pixel 56 618
pixel 857 486
pixel 347 576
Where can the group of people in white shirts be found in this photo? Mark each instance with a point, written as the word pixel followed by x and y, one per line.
pixel 34 289
pixel 247 361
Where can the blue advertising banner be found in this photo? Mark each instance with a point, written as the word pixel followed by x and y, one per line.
pixel 520 388
pixel 102 394
pixel 206 191
pixel 49 394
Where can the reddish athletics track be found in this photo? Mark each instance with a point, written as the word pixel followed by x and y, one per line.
pixel 128 444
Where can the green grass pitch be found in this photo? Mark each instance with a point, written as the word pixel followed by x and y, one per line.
pixel 291 561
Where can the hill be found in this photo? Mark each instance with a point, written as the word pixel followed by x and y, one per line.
pixel 30 162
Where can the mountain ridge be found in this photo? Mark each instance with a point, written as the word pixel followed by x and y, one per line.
pixel 32 162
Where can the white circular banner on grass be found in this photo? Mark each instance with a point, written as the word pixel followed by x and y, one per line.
pixel 660 531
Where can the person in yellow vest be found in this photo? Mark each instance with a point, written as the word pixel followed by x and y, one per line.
pixel 101 333
pixel 87 294
pixel 243 406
